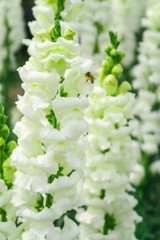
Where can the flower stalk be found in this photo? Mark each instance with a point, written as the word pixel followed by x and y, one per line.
pixel 111 155
pixel 50 156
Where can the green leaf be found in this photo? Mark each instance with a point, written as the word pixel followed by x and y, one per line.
pixel 49 200
pixel 55 31
pixel 109 224
pixel 113 38
pixel 52 118
pixel 57 175
pixel 62 80
pixel 40 204
pixel 3 215
pixel 8 172
pixel 102 194
pixel 62 92
pixel 105 150
pixel 60 9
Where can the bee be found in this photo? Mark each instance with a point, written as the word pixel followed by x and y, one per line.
pixel 91 78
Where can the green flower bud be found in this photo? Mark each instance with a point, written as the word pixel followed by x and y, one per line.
pixel 10 146
pixel 43 35
pixel 113 52
pixel 117 70
pixel 121 55
pixel 107 49
pixel 8 171
pixel 110 84
pixel 3 119
pixel 123 88
pixel 1 108
pixel 4 131
pixel 55 31
pixel 2 141
pixel 106 64
pixel 69 33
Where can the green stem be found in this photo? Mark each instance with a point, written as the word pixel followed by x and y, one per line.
pixel 1 162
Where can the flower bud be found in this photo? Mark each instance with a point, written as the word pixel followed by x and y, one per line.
pixel 106 64
pixel 2 141
pixel 108 49
pixel 69 33
pixel 4 132
pixel 10 146
pixel 110 84
pixel 121 54
pixel 117 70
pixel 43 35
pixel 123 88
pixel 113 52
pixel 8 171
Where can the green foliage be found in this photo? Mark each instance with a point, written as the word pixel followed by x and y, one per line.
pixel 6 148
pixel 52 118
pixel 49 200
pixel 102 194
pixel 40 203
pixel 49 197
pixel 60 9
pixel 109 224
pixel 105 151
pixel 148 195
pixel 63 93
pixel 114 39
pixel 57 175
pixel 55 31
pixel 99 29
pixel 3 215
pixel 62 80
pixel 60 221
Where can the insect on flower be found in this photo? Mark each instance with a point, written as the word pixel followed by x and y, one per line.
pixel 91 78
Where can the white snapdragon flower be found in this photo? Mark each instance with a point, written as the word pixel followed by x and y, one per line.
pixel 12 30
pixel 50 156
pixel 92 19
pixel 126 20
pixel 8 229
pixel 43 10
pixel 147 82
pixel 110 156
pixel 16 25
pixel 155 167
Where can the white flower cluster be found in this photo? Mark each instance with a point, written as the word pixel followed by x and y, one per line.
pixel 147 82
pixel 110 156
pixel 92 19
pixel 12 30
pixel 43 10
pixel 50 153
pixel 8 228
pixel 126 21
